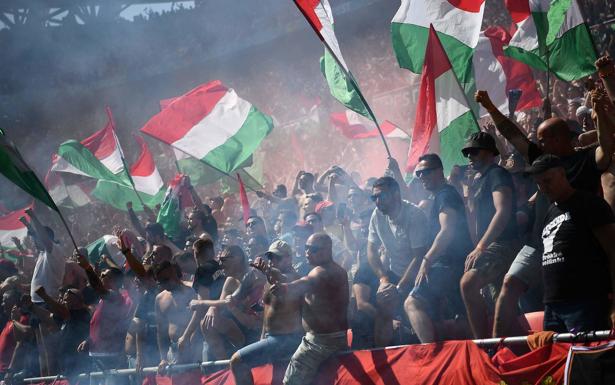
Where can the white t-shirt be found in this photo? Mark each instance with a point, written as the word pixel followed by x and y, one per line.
pixel 399 237
pixel 48 273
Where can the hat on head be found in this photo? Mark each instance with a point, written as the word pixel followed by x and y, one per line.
pixel 543 163
pixel 280 249
pixel 480 140
pixel 322 205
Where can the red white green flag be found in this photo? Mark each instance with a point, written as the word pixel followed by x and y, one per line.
pixel 355 126
pixel 443 118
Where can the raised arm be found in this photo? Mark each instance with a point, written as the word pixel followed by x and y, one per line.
pixel 505 126
pixel 606 71
pixel 93 278
pixel 53 305
pixel 604 113
pixel 134 220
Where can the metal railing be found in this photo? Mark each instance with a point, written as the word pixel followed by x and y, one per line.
pixel 173 369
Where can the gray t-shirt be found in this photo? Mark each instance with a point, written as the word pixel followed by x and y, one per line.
pixel 408 231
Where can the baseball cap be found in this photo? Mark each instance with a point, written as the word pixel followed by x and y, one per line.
pixel 543 163
pixel 280 249
pixel 480 140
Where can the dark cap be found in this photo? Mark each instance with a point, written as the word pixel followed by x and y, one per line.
pixel 543 163
pixel 480 140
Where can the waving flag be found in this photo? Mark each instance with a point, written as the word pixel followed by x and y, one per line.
pixel 443 116
pixel 457 22
pixel 355 126
pixel 553 35
pixel 17 171
pixel 341 83
pixel 213 124
pixel 499 74
pixel 10 227
pixel 147 182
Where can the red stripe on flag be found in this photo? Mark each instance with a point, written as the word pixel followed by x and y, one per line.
pixel 467 5
pixel 307 8
pixel 435 64
pixel 10 221
pixel 519 9
pixel 245 205
pixel 386 127
pixel 144 166
pixel 518 75
pixel 174 122
pixel 101 143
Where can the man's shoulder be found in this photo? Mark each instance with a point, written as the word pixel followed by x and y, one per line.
pixel 411 210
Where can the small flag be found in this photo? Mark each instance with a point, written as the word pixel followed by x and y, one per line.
pixel 11 227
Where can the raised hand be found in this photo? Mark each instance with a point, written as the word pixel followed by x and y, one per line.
pixel 482 98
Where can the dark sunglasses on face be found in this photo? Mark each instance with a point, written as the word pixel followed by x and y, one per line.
pixel 471 152
pixel 375 197
pixel 312 249
pixel 424 172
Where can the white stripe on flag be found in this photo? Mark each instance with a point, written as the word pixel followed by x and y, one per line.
pixel 62 165
pixel 6 235
pixel 150 184
pixel 224 121
pixel 489 75
pixel 325 15
pixel 450 99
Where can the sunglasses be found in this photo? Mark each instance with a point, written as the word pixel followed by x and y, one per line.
pixel 381 195
pixel 424 172
pixel 471 152
pixel 251 224
pixel 312 248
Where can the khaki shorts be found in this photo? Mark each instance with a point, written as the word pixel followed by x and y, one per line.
pixel 493 264
pixel 313 351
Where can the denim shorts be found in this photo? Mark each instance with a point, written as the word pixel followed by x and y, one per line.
pixel 577 316
pixel 270 349
pixel 527 266
pixel 442 285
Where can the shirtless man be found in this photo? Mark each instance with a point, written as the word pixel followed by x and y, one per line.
pixel 325 305
pixel 282 328
pixel 172 315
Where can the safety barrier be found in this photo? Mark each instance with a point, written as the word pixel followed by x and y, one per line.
pixel 171 369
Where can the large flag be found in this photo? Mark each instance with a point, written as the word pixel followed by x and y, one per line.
pixel 443 116
pixel 341 83
pixel 17 171
pixel 458 25
pixel 213 124
pixel 551 34
pixel 499 74
pixel 355 126
pixel 147 182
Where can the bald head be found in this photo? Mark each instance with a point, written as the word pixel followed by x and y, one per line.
pixel 318 249
pixel 554 137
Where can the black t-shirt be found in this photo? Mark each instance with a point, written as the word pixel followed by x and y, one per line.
pixel 581 168
pixel 493 178
pixel 211 277
pixel 72 332
pixel 574 265
pixel 461 244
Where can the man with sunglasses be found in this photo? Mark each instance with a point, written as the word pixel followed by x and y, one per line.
pixel 437 282
pixel 282 328
pixel 325 295
pixel 493 206
pixel 398 226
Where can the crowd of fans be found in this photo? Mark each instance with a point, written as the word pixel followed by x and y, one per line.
pixel 334 260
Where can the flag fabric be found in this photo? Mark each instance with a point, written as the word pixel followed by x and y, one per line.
pixel 10 227
pixel 17 171
pixel 443 116
pixel 147 182
pixel 245 204
pixel 355 126
pixel 551 34
pixel 107 245
pixel 177 198
pixel 458 25
pixel 590 365
pixel 73 193
pixel 497 73
pixel 342 85
pixel 212 124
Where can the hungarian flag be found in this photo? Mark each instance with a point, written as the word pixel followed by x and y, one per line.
pixel 17 171
pixel 553 36
pixel 355 126
pixel 498 74
pixel 443 116
pixel 212 124
pixel 176 199
pixel 11 227
pixel 457 22
pixel 341 83
pixel 147 182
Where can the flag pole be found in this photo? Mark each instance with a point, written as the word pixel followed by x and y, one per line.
pixel 350 77
pixel 126 169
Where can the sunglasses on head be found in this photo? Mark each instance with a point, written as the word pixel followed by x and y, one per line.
pixel 471 152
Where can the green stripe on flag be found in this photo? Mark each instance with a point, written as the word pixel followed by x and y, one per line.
pixel 452 139
pixel 117 195
pixel 237 149
pixel 81 158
